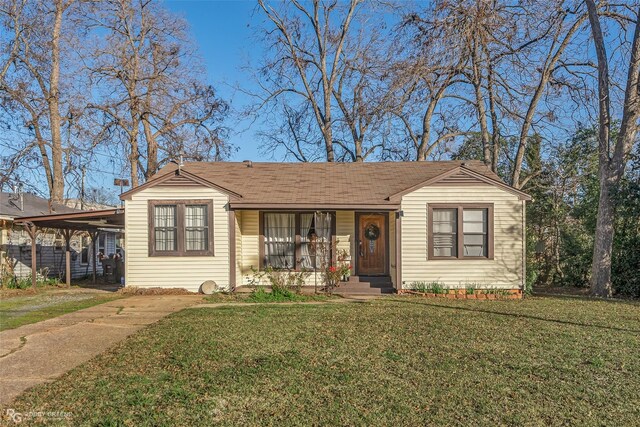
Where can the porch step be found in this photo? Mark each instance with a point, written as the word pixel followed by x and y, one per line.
pixel 366 285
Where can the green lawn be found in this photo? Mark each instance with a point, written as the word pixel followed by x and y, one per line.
pixel 23 310
pixel 398 361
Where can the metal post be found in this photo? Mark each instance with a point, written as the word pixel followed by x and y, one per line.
pixel 32 230
pixel 94 237
pixel 67 239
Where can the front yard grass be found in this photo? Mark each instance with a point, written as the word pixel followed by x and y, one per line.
pixel 46 304
pixel 393 361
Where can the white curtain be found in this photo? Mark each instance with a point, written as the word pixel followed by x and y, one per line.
pixel 280 240
pixel 305 226
pixel 323 231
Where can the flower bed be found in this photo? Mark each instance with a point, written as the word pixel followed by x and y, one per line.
pixel 461 293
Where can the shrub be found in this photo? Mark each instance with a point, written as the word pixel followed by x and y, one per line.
pixel 280 280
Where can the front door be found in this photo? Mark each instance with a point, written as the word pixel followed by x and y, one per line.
pixel 371 245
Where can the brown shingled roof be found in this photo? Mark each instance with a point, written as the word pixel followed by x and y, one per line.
pixel 336 184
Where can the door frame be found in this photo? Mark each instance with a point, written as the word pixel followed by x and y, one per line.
pixel 356 263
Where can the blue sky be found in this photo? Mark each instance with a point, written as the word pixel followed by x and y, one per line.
pixel 222 30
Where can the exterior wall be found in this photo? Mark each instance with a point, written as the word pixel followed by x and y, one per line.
pixel 250 241
pixel 504 271
pixel 187 272
pixel 16 244
pixel 345 232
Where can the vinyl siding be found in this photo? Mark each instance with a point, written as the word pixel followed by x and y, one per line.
pixel 504 271
pixel 185 271
pixel 250 241
pixel 345 232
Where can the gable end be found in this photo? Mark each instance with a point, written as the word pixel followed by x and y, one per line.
pixel 178 178
pixel 179 181
pixel 459 178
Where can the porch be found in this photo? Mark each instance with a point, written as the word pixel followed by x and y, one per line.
pixel 295 240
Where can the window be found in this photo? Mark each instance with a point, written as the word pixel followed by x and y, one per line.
pixel 196 228
pixel 280 240
pixel 293 240
pixel 460 231
pixel 102 250
pixel 85 246
pixel 180 228
pixel 315 240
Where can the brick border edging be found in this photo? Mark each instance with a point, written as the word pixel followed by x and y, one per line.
pixel 462 294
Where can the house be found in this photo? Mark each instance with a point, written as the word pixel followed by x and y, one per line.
pixel 398 223
pixel 15 241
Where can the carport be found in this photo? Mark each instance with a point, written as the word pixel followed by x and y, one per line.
pixel 70 224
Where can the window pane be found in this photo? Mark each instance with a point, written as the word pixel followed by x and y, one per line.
pixel 474 220
pixel 165 228
pixel 444 220
pixel 165 216
pixel 196 236
pixel 196 216
pixel 196 239
pixel 444 223
pixel 279 240
pixel 443 251
pixel 475 228
pixel 166 239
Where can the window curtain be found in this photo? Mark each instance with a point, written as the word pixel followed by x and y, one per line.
pixel 323 231
pixel 305 226
pixel 280 240
pixel 444 232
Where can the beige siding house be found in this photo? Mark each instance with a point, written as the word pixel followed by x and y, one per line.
pixel 397 224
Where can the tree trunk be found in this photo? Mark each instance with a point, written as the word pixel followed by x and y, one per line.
pixel 134 157
pixel 603 242
pixel 152 149
pixel 53 100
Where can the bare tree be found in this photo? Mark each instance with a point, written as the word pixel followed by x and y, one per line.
pixel 613 147
pixel 308 55
pixel 145 72
pixel 37 34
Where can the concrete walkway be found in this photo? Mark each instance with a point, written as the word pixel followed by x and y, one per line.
pixel 352 299
pixel 41 352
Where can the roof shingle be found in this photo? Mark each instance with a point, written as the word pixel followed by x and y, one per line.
pixel 368 183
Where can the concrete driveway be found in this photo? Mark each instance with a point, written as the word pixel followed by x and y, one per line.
pixel 41 352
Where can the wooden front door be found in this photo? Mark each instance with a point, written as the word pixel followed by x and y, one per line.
pixel 371 245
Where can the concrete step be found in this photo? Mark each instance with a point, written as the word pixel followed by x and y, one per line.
pixel 340 290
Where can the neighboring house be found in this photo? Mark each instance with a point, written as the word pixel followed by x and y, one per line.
pixel 15 243
pixel 451 222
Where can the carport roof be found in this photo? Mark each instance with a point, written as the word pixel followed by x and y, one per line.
pixel 83 220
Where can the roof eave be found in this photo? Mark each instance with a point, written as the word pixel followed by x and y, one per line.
pixel 314 206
